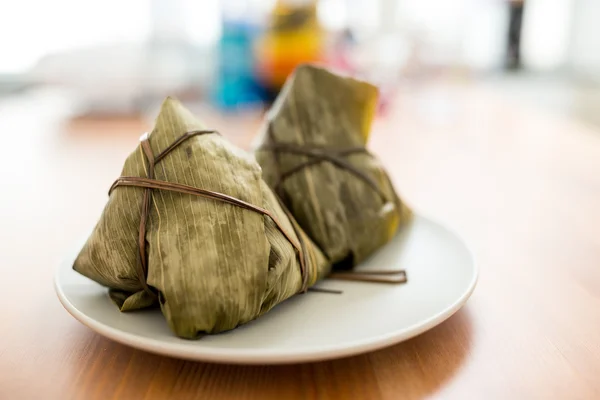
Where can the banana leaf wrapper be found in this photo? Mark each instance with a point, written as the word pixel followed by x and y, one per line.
pixel 312 152
pixel 214 265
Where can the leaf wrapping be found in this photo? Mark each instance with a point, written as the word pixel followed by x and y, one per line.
pixel 348 207
pixel 215 265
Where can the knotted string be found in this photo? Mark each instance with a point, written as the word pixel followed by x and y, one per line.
pixel 317 154
pixel 150 183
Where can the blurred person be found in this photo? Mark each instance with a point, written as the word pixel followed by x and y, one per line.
pixel 515 22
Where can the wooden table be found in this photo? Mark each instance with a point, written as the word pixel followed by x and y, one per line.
pixel 522 186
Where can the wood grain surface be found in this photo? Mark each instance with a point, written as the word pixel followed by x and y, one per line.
pixel 521 185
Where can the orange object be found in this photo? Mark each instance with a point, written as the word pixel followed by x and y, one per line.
pixel 293 37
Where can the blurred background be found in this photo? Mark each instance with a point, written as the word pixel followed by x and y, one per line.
pixel 489 121
pixel 120 58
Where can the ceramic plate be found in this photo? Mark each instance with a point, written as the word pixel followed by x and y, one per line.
pixel 309 327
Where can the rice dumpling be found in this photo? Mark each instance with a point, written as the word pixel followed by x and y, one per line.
pixel 312 152
pixel 190 226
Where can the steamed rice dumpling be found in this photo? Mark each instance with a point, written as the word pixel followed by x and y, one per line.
pixel 312 152
pixel 191 227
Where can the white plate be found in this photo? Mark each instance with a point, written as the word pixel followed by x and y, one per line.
pixel 313 326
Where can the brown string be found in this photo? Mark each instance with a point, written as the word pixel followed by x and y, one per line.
pixel 318 154
pixel 151 183
pixel 304 251
pixel 377 276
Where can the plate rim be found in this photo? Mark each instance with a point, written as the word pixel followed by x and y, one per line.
pixel 274 356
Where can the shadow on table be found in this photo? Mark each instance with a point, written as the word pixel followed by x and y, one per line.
pixel 413 369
